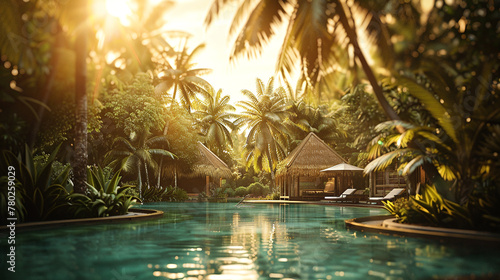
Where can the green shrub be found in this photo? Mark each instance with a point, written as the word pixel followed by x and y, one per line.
pixel 258 189
pixel 229 192
pixel 273 196
pixel 217 193
pixel 266 190
pixel 41 194
pixel 430 209
pixel 155 194
pixel 241 191
pixel 176 194
pixel 104 198
pixel 202 196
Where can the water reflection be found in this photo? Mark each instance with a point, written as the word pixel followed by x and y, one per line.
pixel 220 241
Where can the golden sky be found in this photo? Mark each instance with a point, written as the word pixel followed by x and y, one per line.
pixel 189 16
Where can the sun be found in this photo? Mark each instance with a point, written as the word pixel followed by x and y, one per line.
pixel 119 9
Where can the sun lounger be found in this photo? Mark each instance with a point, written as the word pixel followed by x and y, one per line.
pixel 356 197
pixel 342 196
pixel 395 193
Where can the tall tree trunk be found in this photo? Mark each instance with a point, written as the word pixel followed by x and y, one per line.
pixel 165 132
pixel 175 175
pixel 147 174
pixel 377 89
pixel 139 179
pixel 47 88
pixel 391 114
pixel 80 144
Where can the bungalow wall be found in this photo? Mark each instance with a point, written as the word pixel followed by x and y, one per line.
pixel 382 182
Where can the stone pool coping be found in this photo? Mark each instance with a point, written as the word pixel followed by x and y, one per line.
pixel 134 214
pixel 386 224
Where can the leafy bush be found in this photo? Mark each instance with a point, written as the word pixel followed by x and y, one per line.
pixel 229 192
pixel 241 191
pixel 430 209
pixel 273 196
pixel 40 194
pixel 177 194
pixel 105 197
pixel 217 193
pixel 154 194
pixel 258 189
pixel 202 196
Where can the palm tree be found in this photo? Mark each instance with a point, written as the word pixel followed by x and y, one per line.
pixel 146 25
pixel 214 118
pixel 181 75
pixel 305 118
pixel 462 149
pixel 137 153
pixel 263 116
pixel 317 30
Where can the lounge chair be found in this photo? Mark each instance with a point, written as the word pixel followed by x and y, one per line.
pixel 342 196
pixel 395 193
pixel 355 197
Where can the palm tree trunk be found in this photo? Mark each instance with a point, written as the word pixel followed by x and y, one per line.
pixel 47 89
pixel 147 174
pixel 80 144
pixel 377 89
pixel 270 162
pixel 175 176
pixel 139 179
pixel 165 132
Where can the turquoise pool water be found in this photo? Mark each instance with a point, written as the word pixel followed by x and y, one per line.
pixel 221 241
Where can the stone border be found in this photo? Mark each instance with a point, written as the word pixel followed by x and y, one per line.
pixel 134 214
pixel 386 225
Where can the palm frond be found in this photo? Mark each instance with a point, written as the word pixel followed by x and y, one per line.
pixel 435 108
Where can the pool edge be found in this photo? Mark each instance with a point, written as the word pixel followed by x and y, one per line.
pixel 134 214
pixel 387 226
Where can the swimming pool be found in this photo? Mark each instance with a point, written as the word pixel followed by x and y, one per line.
pixel 258 241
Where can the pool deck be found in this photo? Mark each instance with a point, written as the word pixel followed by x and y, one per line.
pixel 134 214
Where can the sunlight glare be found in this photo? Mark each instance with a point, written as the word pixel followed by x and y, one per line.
pixel 119 9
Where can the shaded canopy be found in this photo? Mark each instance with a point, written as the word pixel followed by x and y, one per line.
pixel 309 158
pixel 209 164
pixel 343 167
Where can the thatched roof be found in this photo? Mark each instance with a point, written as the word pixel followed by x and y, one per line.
pixel 311 156
pixel 209 164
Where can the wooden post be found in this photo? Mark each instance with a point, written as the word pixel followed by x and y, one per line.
pixel 207 187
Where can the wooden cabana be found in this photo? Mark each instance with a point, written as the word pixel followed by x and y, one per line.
pixel 300 170
pixel 209 167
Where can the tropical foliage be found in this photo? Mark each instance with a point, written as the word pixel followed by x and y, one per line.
pixel 181 75
pixel 214 117
pixel 137 154
pixel 430 70
pixel 263 114
pixel 104 198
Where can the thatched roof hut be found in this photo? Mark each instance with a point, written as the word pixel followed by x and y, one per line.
pixel 209 164
pixel 309 158
pixel 305 162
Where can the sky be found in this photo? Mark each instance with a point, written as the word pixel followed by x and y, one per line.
pixel 232 77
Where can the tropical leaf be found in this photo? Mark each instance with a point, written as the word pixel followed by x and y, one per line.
pixel 435 108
